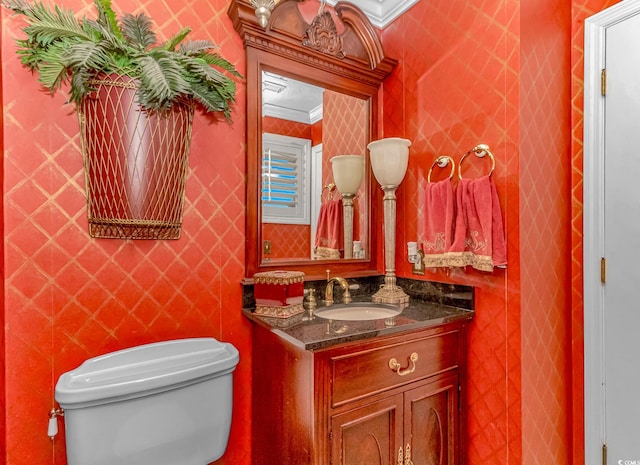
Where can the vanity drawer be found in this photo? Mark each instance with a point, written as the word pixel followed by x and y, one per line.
pixel 367 372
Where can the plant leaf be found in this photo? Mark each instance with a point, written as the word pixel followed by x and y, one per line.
pixel 52 68
pixel 113 46
pixel 212 99
pixel 17 6
pixel 161 81
pixel 199 70
pixel 63 49
pixel 82 59
pixel 197 47
pixel 30 54
pixel 45 26
pixel 216 60
pixel 107 17
pixel 172 43
pixel 137 30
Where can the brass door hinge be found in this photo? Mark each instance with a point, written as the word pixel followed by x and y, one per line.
pixel 604 454
pixel 603 82
pixel 603 270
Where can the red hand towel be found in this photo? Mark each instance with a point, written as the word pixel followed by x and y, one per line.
pixel 329 235
pixel 479 235
pixel 438 223
pixel 457 255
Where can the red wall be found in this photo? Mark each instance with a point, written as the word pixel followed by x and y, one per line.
pixel 498 72
pixel 545 213
pixel 462 90
pixel 3 405
pixel 70 297
pixel 492 71
pixel 286 128
pixel 287 240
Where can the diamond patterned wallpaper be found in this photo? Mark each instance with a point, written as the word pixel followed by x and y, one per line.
pixel 287 240
pixel 492 72
pixel 459 90
pixel 545 210
pixel 69 297
pixel 286 128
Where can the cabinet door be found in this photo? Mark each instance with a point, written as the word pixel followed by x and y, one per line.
pixel 431 423
pixel 370 435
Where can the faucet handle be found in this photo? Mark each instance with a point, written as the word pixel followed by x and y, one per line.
pixel 311 296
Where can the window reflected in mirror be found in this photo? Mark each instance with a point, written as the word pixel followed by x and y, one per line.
pixel 303 127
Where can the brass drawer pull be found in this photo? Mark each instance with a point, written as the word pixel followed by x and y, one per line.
pixel 395 366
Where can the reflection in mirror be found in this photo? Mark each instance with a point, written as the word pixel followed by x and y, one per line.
pixel 348 171
pixel 303 128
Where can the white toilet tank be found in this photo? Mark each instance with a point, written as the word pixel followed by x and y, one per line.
pixel 167 403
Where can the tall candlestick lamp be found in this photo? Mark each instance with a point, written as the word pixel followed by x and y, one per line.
pixel 389 160
pixel 348 171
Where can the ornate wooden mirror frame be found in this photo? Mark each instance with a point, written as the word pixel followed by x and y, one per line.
pixel 351 62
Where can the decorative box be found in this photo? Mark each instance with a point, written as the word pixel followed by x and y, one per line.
pixel 279 293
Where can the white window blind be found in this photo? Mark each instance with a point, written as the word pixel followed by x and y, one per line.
pixel 285 179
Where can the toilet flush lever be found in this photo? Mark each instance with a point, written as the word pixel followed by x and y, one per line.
pixel 52 430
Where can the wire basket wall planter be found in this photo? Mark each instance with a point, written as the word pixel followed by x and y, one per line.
pixel 135 161
pixel 135 123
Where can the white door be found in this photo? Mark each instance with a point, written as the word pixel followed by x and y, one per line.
pixel 622 242
pixel 618 302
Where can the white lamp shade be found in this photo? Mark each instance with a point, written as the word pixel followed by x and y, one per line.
pixel 389 160
pixel 348 171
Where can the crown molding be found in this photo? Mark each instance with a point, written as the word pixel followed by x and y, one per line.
pixel 381 12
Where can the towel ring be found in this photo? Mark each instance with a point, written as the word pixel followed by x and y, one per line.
pixel 442 161
pixel 329 188
pixel 480 151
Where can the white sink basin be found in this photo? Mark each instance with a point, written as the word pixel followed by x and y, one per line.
pixel 358 312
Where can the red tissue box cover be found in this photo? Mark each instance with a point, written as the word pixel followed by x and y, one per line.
pixel 278 288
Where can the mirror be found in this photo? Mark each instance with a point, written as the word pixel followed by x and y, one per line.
pixel 305 213
pixel 335 53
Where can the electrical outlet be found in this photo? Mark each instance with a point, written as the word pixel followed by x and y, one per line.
pixel 418 266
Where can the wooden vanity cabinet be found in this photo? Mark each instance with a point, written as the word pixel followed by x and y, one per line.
pixel 347 404
pixel 420 426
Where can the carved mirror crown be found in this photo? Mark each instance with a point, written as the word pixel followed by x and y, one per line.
pixel 346 57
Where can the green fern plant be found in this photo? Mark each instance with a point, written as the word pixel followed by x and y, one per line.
pixel 66 51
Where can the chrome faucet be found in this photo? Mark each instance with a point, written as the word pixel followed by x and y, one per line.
pixel 328 293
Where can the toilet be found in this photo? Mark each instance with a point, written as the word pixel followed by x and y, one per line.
pixel 167 403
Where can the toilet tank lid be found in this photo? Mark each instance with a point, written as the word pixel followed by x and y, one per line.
pixel 145 369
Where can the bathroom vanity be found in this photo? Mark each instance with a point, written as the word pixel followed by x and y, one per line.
pixel 383 391
pixel 360 392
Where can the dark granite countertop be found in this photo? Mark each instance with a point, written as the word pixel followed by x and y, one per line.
pixel 311 332
pixel 431 304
